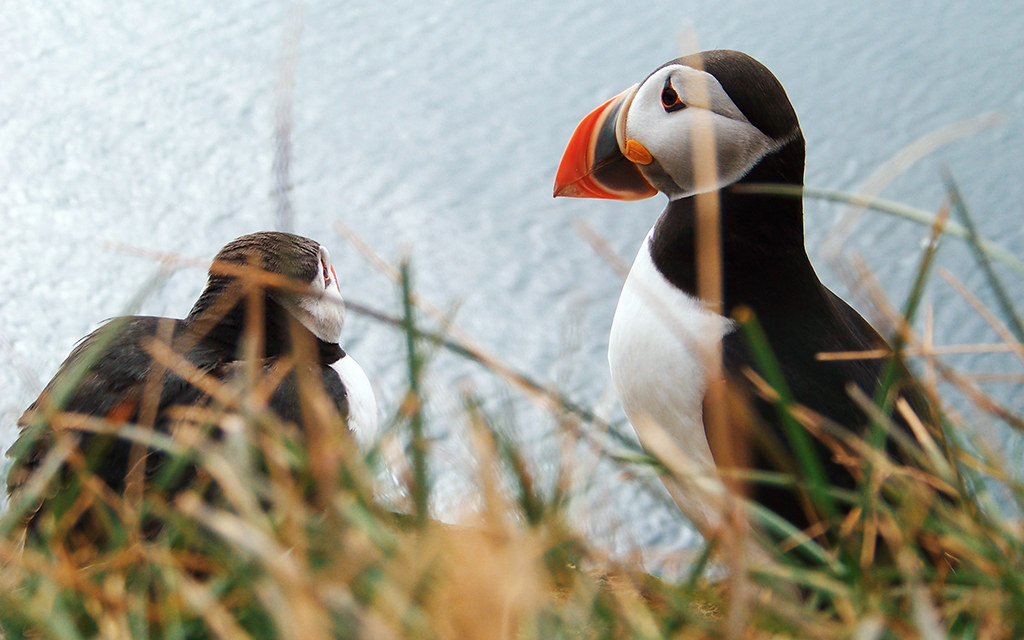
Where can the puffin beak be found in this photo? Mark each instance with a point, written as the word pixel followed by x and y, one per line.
pixel 594 166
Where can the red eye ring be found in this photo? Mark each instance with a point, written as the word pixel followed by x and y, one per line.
pixel 330 277
pixel 670 99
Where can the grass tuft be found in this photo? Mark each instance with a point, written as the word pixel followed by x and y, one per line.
pixel 281 532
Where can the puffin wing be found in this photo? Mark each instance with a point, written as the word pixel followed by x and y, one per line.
pixel 109 387
pixel 822 386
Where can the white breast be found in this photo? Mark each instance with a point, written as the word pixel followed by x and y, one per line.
pixel 363 419
pixel 658 351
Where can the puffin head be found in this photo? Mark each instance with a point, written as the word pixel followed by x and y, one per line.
pixel 662 134
pixel 311 293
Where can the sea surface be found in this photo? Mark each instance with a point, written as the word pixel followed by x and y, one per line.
pixel 432 131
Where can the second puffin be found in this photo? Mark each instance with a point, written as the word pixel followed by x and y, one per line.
pixel 271 297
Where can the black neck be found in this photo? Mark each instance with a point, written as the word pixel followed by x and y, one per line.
pixel 763 256
pixel 224 335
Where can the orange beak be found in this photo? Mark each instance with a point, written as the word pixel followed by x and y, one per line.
pixel 593 165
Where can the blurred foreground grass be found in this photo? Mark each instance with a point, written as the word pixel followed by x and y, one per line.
pixel 298 544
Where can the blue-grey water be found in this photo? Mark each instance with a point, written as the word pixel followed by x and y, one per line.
pixel 434 129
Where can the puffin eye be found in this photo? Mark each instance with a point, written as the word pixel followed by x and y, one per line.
pixel 327 274
pixel 670 99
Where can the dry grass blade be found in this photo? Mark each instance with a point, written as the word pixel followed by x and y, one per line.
pixel 166 259
pixel 29 376
pixel 287 63
pixel 1011 343
pixel 602 248
pixel 214 613
pixel 980 399
pixel 176 363
pixel 884 175
pixel 923 350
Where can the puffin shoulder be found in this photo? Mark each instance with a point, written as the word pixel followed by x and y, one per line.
pixel 116 363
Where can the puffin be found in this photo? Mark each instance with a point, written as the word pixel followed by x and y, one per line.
pixel 664 337
pixel 112 375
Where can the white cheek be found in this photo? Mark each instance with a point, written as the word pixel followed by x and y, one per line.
pixel 324 315
pixel 738 146
pixel 710 130
pixel 695 136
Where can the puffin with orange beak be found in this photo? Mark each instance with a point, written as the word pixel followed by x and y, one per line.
pixel 645 141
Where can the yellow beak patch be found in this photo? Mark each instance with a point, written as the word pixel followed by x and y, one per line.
pixel 637 153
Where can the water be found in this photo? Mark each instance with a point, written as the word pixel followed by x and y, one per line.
pixel 434 130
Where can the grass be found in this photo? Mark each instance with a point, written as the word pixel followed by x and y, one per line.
pixel 296 542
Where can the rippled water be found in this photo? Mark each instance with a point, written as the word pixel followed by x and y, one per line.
pixel 434 128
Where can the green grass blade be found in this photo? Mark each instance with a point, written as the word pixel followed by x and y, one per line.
pixel 797 437
pixel 895 368
pixel 1005 303
pixel 414 401
pixel 913 214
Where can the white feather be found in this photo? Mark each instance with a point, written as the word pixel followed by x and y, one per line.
pixel 659 351
pixel 363 418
